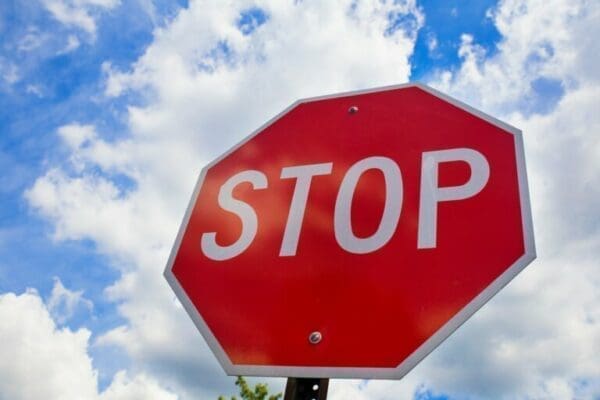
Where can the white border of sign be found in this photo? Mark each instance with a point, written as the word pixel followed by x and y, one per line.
pixel 429 345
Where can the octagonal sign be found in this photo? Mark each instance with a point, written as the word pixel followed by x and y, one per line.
pixel 352 233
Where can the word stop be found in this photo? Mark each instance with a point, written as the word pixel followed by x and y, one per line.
pixel 430 195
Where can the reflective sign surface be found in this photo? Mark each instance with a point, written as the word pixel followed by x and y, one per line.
pixel 379 220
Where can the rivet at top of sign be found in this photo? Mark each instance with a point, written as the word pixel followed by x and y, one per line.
pixel 353 110
pixel 315 337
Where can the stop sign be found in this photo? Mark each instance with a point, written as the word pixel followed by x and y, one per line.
pixel 352 233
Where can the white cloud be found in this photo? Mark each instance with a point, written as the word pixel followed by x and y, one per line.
pixel 35 90
pixel 540 39
pixel 32 346
pixel 564 153
pixel 40 361
pixel 206 85
pixel 64 303
pixel 56 198
pixel 75 135
pixel 432 44
pixel 139 388
pixel 32 40
pixel 9 72
pixel 78 13
pixel 72 44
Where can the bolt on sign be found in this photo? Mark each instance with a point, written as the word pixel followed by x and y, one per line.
pixel 352 233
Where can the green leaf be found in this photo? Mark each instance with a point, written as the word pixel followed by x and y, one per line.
pixel 260 391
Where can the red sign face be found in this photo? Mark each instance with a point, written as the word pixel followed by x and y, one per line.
pixel 352 234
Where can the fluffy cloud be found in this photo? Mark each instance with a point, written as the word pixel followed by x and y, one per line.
pixel 547 40
pixel 34 347
pixel 41 361
pixel 64 303
pixel 78 13
pixel 9 72
pixel 206 83
pixel 139 388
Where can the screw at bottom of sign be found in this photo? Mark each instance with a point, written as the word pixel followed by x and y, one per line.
pixel 315 337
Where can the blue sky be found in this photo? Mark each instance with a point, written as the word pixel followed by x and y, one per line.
pixel 103 67
pixel 439 39
pixel 67 83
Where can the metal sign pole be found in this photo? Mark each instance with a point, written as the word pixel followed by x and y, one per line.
pixel 306 389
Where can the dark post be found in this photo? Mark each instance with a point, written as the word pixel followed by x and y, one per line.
pixel 306 389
